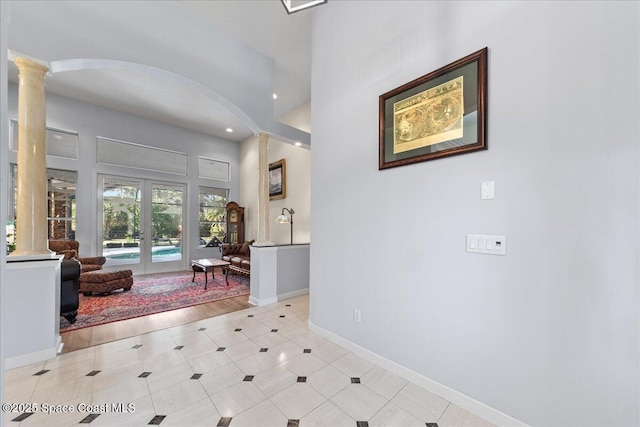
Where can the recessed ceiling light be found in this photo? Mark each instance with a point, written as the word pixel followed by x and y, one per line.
pixel 275 96
pixel 229 130
pixel 298 144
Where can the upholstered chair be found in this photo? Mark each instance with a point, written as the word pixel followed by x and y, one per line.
pixel 70 250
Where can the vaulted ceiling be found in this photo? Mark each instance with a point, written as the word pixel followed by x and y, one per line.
pixel 206 66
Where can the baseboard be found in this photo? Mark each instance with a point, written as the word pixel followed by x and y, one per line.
pixel 478 408
pixel 261 302
pixel 293 294
pixel 59 345
pixel 30 358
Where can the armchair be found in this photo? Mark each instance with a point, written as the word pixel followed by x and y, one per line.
pixel 70 249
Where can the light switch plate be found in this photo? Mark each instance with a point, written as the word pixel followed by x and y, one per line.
pixel 488 191
pixel 483 244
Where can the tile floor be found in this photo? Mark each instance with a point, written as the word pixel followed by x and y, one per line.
pixel 255 367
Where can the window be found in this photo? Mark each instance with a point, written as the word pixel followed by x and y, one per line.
pixel 61 204
pixel 212 225
pixel 61 207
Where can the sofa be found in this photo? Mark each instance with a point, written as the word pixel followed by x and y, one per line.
pixel 70 250
pixel 238 255
pixel 69 287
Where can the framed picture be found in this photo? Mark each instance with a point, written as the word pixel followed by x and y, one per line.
pixel 437 115
pixel 278 180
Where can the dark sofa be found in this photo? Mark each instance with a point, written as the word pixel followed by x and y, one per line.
pixel 239 256
pixel 69 287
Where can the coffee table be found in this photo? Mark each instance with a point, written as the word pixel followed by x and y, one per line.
pixel 208 264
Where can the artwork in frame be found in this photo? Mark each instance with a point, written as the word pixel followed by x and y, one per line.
pixel 440 114
pixel 278 180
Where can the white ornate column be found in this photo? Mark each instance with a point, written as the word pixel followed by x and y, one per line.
pixel 32 282
pixel 263 191
pixel 31 208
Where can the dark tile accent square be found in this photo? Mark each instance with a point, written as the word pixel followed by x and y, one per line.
pixel 195 376
pixel 355 380
pixel 432 424
pixel 264 350
pixel 44 371
pixel 144 375
pixel 274 330
pixel 92 373
pixel 224 422
pixel 221 348
pixel 22 417
pixel 237 330
pixel 282 315
pixel 306 350
pixel 89 418
pixel 155 421
pixel 180 347
pixel 202 329
pixel 302 379
pixel 293 423
pixel 251 315
pixel 137 346
pixel 362 423
pixel 248 378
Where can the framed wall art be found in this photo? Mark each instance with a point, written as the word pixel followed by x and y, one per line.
pixel 278 180
pixel 440 114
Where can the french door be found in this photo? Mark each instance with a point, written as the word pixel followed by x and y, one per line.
pixel 140 224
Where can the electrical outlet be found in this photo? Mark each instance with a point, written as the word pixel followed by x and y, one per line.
pixel 357 316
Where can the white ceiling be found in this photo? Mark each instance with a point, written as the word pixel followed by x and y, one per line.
pixel 262 25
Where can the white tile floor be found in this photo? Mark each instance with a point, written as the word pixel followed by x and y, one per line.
pixel 256 367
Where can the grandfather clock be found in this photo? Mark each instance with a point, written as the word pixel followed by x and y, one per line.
pixel 235 223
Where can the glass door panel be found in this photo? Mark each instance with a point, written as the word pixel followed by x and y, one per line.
pixel 166 222
pixel 141 224
pixel 121 217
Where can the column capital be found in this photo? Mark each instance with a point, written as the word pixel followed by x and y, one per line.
pixel 30 68
pixel 263 137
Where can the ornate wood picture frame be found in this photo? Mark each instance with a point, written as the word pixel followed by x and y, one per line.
pixel 278 180
pixel 440 114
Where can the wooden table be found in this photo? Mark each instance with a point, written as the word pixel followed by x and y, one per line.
pixel 208 264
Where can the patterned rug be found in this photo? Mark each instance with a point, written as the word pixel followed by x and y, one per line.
pixel 154 293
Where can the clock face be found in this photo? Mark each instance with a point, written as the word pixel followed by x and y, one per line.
pixel 233 216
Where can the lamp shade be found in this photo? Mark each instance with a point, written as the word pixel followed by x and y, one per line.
pixel 282 219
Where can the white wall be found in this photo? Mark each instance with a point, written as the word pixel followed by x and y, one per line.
pixel 91 121
pixel 548 334
pixel 298 172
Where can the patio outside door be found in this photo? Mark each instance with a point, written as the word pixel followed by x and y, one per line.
pixel 140 224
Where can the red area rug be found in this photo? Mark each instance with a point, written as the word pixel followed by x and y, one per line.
pixel 154 293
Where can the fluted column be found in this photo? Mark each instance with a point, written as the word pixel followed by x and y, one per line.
pixel 263 191
pixel 31 209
